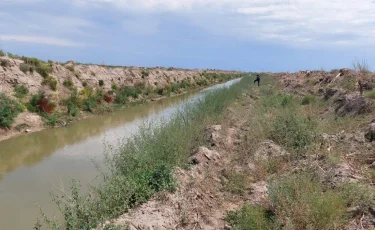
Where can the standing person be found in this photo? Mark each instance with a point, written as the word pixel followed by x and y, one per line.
pixel 257 80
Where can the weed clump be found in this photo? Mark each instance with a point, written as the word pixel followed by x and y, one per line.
pixel 302 202
pixel 51 82
pixel 44 69
pixel 297 201
pixel 308 99
pixel 114 86
pixel 145 73
pixel 4 63
pixel 39 103
pixel 9 109
pixel 292 131
pixel 370 94
pixel 124 92
pixel 26 68
pixel 20 91
pixel 68 84
pixel 33 104
pixel 235 182
pixel 283 123
pixel 251 217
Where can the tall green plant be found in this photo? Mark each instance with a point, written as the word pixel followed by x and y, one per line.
pixel 9 109
pixel 144 164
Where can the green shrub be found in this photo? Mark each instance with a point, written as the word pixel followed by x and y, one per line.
pixel 252 217
pixel 126 91
pixel 370 94
pixel 9 109
pixel 27 68
pixel 202 82
pixel 185 84
pixel 87 92
pixel 73 103
pixel 358 195
pixel 14 56
pixel 51 82
pixel 101 82
pixel 284 124
pixel 31 61
pixel 277 101
pixel 73 110
pixel 302 202
pixel 68 84
pixel 114 86
pixel 33 104
pixel 148 91
pixel 21 91
pixel 4 63
pixel 89 104
pixel 145 73
pixel 49 119
pixel 292 131
pixel 115 227
pixel 24 67
pixel 84 84
pixel 308 99
pixel 2 53
pixel 175 87
pixel 99 95
pixel 235 182
pixel 44 69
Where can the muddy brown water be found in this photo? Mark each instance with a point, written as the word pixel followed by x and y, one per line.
pixel 33 165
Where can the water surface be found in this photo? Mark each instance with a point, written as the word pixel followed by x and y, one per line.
pixel 33 165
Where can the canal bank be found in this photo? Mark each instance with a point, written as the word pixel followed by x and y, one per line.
pixel 31 166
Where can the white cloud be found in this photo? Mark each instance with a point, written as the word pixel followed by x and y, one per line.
pixel 39 39
pixel 292 22
pixel 288 21
pixel 44 28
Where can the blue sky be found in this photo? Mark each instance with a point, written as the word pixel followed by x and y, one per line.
pixel 250 35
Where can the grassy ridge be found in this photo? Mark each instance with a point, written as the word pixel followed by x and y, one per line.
pixel 300 197
pixel 144 163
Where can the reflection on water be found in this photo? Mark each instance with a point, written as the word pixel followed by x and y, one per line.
pixel 32 165
pixel 29 149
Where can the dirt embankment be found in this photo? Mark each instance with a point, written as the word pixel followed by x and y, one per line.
pixel 57 80
pixel 83 75
pixel 247 158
